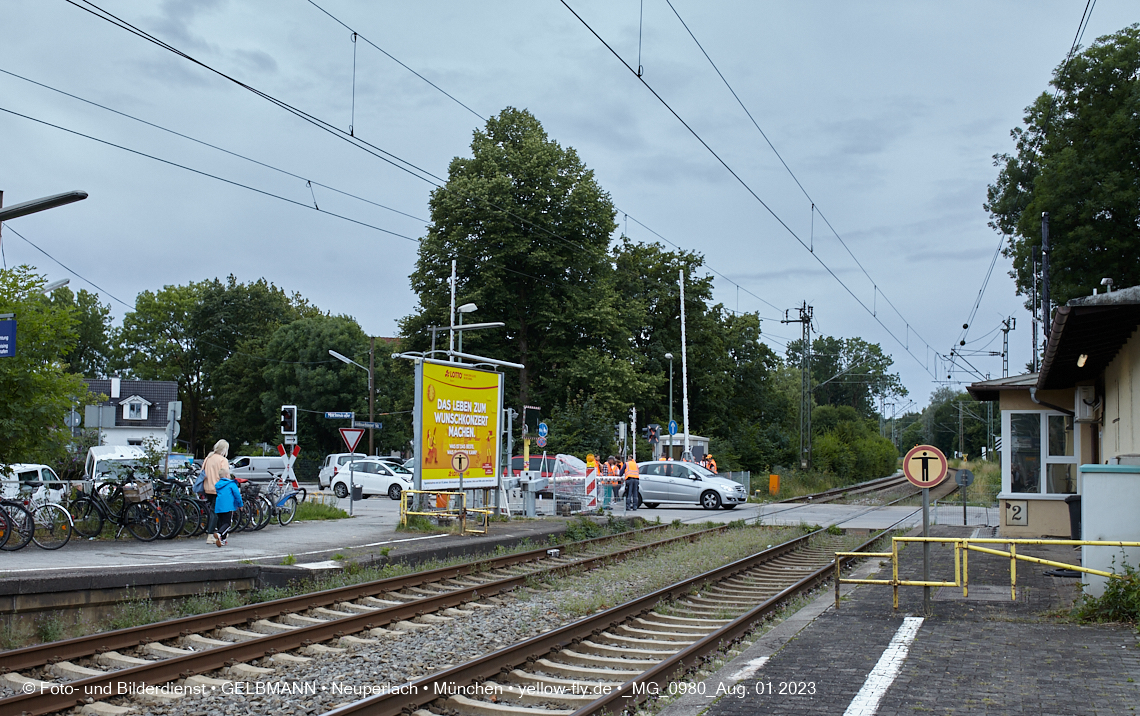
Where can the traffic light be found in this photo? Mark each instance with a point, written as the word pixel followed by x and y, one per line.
pixel 288 419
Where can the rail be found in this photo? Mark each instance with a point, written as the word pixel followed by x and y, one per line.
pixel 962 548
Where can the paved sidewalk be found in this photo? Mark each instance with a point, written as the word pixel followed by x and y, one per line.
pixel 985 655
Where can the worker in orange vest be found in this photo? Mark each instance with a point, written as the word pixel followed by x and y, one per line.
pixel 632 486
pixel 710 463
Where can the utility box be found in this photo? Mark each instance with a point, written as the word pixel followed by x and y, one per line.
pixel 1110 501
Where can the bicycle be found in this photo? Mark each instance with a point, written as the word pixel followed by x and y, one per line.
pixel 128 505
pixel 52 525
pixel 283 502
pixel 194 512
pixel 19 525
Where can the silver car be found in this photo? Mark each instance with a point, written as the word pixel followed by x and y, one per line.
pixel 670 481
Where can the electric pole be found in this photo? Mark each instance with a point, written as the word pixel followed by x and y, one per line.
pixel 805 382
pixel 1007 325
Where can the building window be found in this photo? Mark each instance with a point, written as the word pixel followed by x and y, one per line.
pixel 1042 445
pixel 134 411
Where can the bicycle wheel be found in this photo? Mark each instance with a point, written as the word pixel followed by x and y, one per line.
pixel 263 513
pixel 242 518
pixel 143 521
pixel 287 510
pixel 86 517
pixel 53 526
pixel 172 519
pixel 194 524
pixel 5 528
pixel 22 526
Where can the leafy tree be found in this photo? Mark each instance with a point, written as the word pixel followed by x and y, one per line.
pixel 91 355
pixel 849 445
pixel 37 390
pixel 529 228
pixel 849 371
pixel 580 426
pixel 1077 158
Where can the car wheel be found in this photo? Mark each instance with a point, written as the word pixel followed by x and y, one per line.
pixel 710 500
pixel 340 490
pixel 394 492
pixel 729 507
pixel 651 505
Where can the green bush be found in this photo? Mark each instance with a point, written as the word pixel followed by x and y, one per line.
pixel 1119 603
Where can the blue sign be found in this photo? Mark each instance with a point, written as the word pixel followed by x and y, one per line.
pixel 366 424
pixel 543 430
pixel 7 338
pixel 672 427
pixel 338 416
pixel 540 441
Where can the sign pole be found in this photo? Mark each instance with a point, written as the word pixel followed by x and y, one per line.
pixel 926 550
pixel 963 505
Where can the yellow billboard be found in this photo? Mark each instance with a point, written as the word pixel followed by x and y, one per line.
pixel 459 410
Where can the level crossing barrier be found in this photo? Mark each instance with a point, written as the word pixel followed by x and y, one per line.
pixel 443 504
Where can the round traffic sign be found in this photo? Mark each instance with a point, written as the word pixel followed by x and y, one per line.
pixel 460 461
pixel 540 441
pixel 924 466
pixel 71 420
pixel 964 478
pixel 672 427
pixel 543 430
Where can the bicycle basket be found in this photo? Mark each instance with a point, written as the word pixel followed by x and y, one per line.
pixel 250 490
pixel 138 492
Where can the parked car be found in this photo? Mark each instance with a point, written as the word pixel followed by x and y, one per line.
pixel 687 482
pixel 257 468
pixel 374 476
pixel 17 476
pixel 111 461
pixel 333 463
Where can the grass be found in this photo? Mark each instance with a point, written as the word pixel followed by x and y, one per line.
pixel 289 560
pixel 1120 601
pixel 317 511
pixel 987 481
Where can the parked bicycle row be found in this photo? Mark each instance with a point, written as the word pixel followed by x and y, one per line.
pixel 48 514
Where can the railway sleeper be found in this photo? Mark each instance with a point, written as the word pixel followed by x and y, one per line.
pixel 636 632
pixel 592 647
pixel 541 681
pixel 650 621
pixel 540 697
pixel 619 640
pixel 466 705
pixel 115 660
pixel 585 673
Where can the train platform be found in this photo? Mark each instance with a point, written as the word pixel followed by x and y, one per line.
pixel 982 655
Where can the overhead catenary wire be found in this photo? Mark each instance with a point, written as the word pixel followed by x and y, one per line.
pixel 747 187
pixel 134 307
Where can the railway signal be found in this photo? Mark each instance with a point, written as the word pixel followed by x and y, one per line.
pixel 288 419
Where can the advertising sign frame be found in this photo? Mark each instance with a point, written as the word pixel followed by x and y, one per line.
pixel 448 407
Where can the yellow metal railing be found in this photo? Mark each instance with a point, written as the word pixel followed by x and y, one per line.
pixel 447 511
pixel 962 549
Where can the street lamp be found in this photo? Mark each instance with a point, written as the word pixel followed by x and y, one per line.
pixel 670 426
pixel 371 387
pixel 465 308
pixel 47 202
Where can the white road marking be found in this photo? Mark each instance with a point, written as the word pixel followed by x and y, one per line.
pixel 750 669
pixel 866 702
pixel 218 561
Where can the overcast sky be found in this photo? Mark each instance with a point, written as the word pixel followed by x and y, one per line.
pixel 888 113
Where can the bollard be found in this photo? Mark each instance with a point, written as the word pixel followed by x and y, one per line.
pixel 773 484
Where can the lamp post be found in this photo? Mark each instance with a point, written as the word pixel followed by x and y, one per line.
pixel 371 386
pixel 465 308
pixel 669 427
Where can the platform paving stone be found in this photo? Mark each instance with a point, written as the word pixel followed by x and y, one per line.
pixel 969 657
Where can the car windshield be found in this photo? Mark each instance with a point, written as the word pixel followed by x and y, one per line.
pixel 399 469
pixel 697 469
pixel 117 468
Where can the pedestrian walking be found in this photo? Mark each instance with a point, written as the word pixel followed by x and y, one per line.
pixel 611 481
pixel 227 502
pixel 215 467
pixel 632 485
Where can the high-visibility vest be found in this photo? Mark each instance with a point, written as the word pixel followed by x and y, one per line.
pixel 631 470
pixel 712 465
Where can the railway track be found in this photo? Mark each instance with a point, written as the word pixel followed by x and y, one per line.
pixel 181 648
pixel 610 661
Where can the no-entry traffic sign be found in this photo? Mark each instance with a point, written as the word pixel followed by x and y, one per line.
pixel 351 437
pixel 924 466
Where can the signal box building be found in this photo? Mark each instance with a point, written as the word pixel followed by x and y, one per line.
pixel 1072 430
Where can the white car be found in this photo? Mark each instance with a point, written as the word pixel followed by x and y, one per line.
pixel 17 476
pixel 671 481
pixel 374 477
pixel 333 463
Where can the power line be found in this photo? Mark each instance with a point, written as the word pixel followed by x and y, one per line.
pixel 814 206
pixel 134 307
pixel 748 188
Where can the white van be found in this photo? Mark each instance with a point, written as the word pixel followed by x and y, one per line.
pixel 332 465
pixel 106 460
pixel 257 468
pixel 17 476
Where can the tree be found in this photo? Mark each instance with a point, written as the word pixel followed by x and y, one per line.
pixel 1077 158
pixel 849 371
pixel 91 355
pixel 37 390
pixel 529 228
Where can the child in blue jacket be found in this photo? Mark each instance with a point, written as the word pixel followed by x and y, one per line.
pixel 226 504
